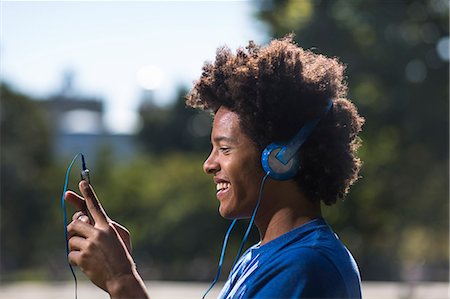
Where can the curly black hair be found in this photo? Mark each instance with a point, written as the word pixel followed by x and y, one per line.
pixel 275 90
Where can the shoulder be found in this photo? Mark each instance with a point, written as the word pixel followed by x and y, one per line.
pixel 298 267
pixel 302 262
pixel 297 272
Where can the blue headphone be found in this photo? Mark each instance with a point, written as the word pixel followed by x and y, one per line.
pixel 280 161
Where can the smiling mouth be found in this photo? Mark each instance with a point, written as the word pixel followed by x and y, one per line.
pixel 222 187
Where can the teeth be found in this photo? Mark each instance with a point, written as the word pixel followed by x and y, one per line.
pixel 222 186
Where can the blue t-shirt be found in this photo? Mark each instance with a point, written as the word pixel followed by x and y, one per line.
pixel 307 262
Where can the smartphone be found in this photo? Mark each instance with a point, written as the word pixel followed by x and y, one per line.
pixel 84 171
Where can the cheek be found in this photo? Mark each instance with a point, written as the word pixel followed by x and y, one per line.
pixel 253 167
pixel 249 178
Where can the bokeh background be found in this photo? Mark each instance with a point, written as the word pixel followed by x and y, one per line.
pixel 108 79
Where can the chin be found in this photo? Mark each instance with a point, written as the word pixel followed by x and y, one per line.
pixel 231 214
pixel 225 213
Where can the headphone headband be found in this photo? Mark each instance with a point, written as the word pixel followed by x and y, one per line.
pixel 289 151
pixel 280 161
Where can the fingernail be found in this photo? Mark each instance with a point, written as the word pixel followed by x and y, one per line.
pixel 83 218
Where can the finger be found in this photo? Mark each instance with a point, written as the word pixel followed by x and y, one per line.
pixel 77 243
pixel 76 200
pixel 85 219
pixel 81 229
pixel 92 203
pixel 81 216
pixel 76 215
pixel 74 257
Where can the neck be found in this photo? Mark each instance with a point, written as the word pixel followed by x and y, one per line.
pixel 283 211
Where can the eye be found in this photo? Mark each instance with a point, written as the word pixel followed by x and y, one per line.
pixel 224 149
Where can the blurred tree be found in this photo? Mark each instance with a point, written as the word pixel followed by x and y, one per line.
pixel 25 153
pixel 174 128
pixel 164 197
pixel 395 220
pixel 397 65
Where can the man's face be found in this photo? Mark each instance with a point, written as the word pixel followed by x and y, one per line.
pixel 235 163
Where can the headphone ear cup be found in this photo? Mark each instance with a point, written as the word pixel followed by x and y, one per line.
pixel 276 169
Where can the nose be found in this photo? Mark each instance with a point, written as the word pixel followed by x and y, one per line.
pixel 211 165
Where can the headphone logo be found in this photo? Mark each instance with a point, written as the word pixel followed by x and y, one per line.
pixel 279 160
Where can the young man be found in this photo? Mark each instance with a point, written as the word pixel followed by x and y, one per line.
pixel 260 95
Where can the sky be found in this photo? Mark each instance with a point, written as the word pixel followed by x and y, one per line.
pixel 116 50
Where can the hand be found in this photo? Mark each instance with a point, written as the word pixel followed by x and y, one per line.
pixel 102 249
pixel 82 215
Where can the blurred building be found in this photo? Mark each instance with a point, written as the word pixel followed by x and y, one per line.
pixel 77 125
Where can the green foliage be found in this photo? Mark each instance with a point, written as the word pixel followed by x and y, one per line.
pixel 163 198
pixel 395 219
pixel 25 147
pixel 400 84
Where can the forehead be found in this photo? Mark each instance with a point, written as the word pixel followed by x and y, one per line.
pixel 226 124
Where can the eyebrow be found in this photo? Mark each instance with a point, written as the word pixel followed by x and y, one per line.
pixel 224 138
